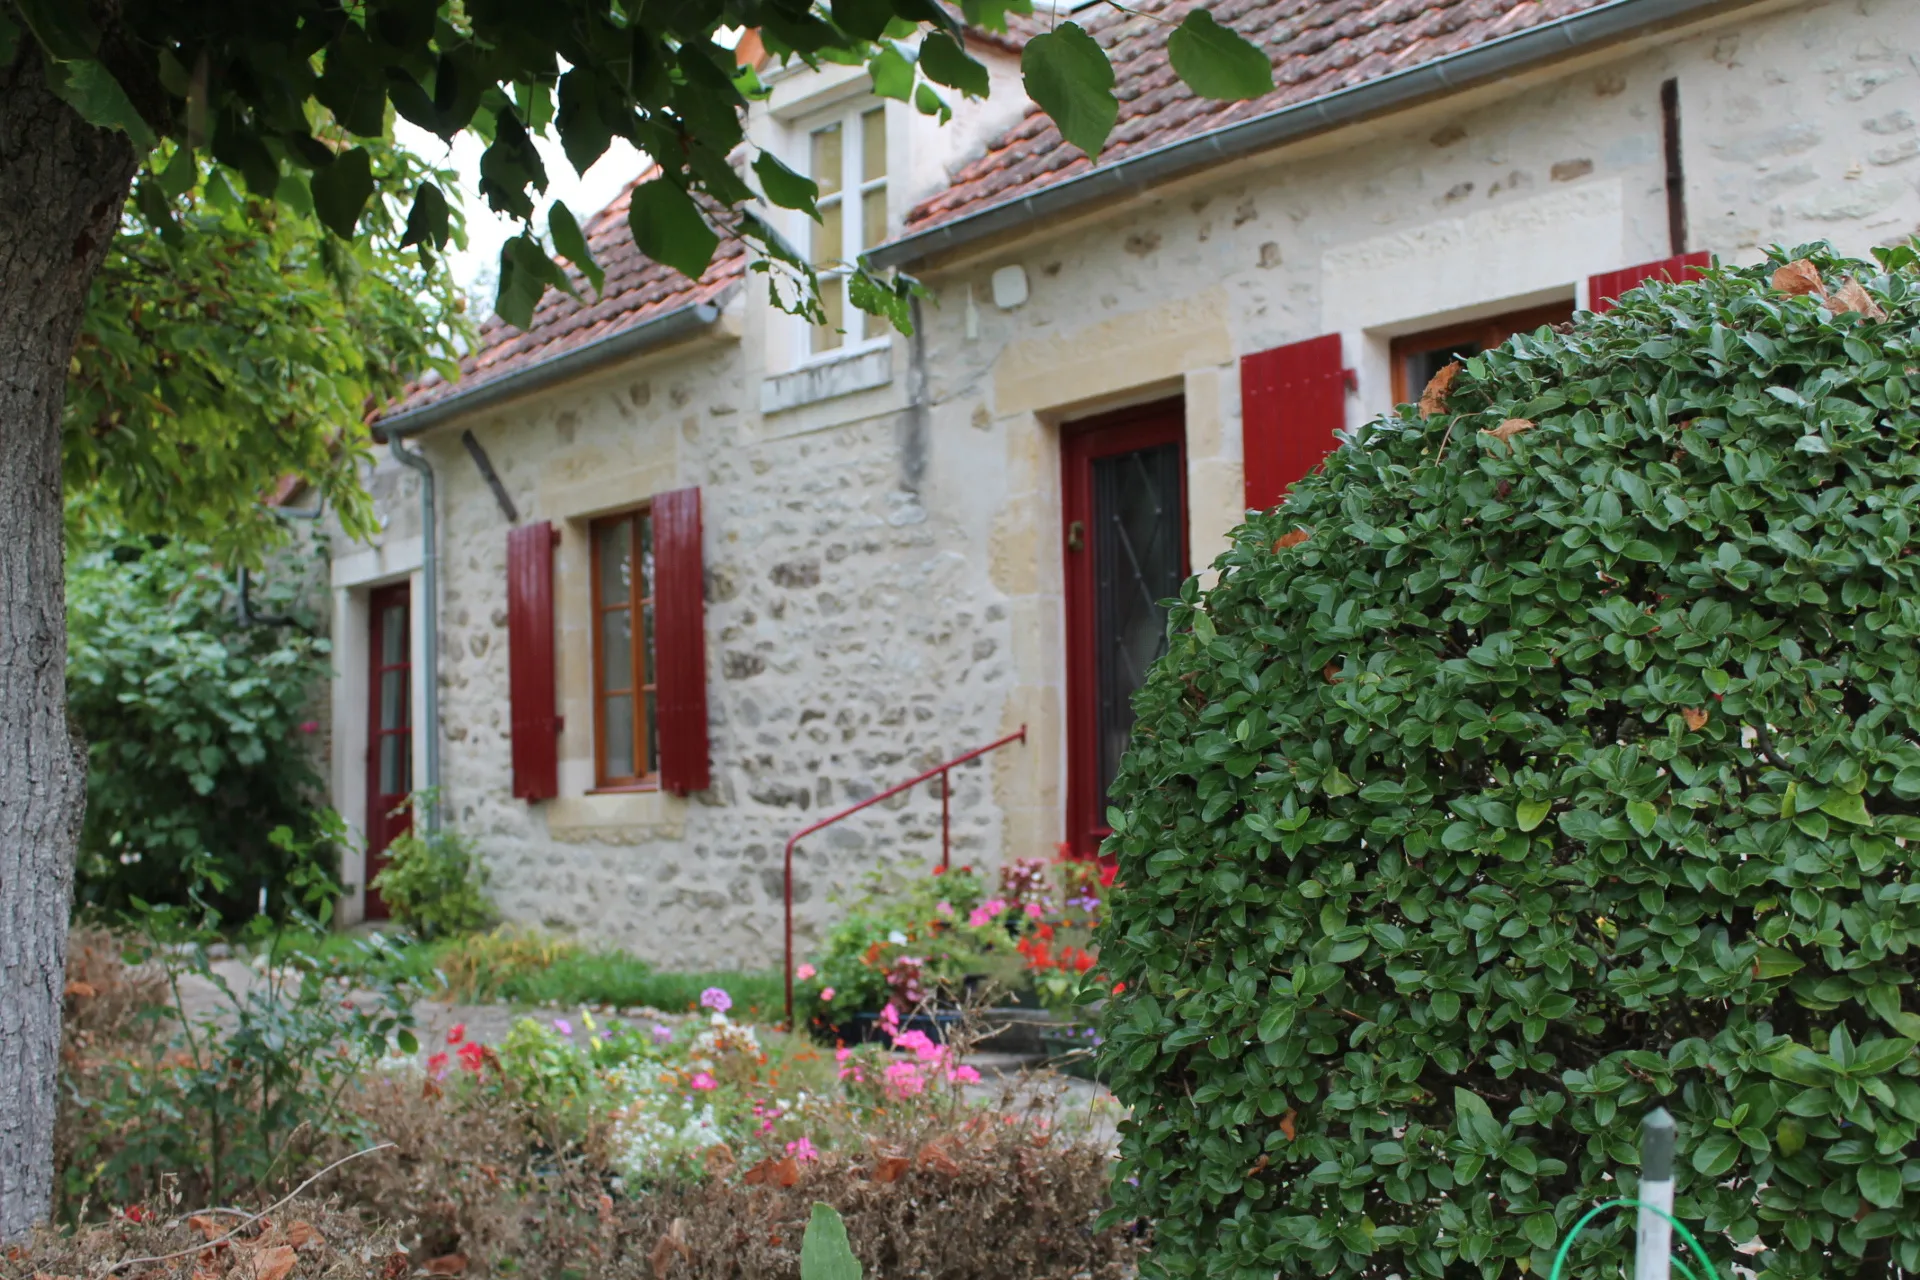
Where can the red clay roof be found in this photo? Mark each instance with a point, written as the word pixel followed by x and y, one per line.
pixel 637 290
pixel 1317 46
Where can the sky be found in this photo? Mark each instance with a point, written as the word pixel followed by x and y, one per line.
pixel 476 268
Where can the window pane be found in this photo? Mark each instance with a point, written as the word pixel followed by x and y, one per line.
pixel 873 150
pixel 393 699
pixel 646 641
pixel 833 298
pixel 393 635
pixel 616 650
pixel 395 767
pixel 826 159
pixel 873 217
pixel 614 541
pixel 828 241
pixel 646 556
pixel 653 740
pixel 617 729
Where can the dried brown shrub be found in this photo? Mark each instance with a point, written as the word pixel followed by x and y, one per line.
pixel 304 1240
pixel 980 1197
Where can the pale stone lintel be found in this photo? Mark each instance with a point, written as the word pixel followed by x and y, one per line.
pixel 1154 345
pixel 860 371
pixel 618 817
pixel 395 559
pixel 581 499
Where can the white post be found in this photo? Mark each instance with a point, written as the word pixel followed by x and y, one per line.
pixel 1655 1243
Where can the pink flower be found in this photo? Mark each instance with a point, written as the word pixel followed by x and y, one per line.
pixel 943 908
pixel 703 1082
pixel 662 1033
pixel 472 1056
pixel 805 972
pixel 826 995
pixel 456 1033
pixel 716 999
pixel 1033 911
pixel 890 1019
pixel 916 1043
pixel 437 1066
pixel 842 1054
pixel 964 1075
pixel 802 1150
pixel 564 1027
pixel 904 1079
pixel 983 915
pixel 309 726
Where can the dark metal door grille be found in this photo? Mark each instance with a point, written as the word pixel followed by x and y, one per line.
pixel 1137 542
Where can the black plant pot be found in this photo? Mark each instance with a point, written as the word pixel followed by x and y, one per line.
pixel 865 1028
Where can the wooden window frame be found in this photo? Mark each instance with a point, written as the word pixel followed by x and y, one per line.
pixel 850 198
pixel 642 686
pixel 1487 332
pixel 388 815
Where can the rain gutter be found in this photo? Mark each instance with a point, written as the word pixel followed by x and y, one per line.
pixel 1577 33
pixel 679 323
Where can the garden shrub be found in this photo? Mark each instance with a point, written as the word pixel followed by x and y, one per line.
pixel 434 882
pixel 1551 755
pixel 199 730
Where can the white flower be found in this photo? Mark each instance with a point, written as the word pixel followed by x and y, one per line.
pixel 897 938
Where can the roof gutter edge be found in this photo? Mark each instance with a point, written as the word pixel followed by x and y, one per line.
pixel 1452 72
pixel 679 323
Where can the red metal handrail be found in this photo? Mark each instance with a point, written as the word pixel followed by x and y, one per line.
pixel 946 842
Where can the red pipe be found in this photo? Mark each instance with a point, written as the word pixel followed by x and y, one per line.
pixel 938 771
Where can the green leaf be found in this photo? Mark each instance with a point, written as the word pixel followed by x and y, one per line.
pixel 428 222
pixel 1643 816
pixel 1540 1230
pixel 1067 73
pixel 1216 62
pixel 825 1253
pixel 1884 1000
pixel 1877 1056
pixel 668 228
pixel 62 27
pixel 1529 814
pixel 892 73
pixel 1775 962
pixel 929 103
pixel 1848 808
pixel 341 191
pixel 786 188
pixel 865 19
pixel 407 1041
pixel 1880 1184
pixel 572 245
pixel 1274 1022
pixel 1790 1136
pixel 1716 1154
pixel 90 89
pixel 1474 1117
pixel 945 62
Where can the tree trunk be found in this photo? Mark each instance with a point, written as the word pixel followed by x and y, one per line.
pixel 62 186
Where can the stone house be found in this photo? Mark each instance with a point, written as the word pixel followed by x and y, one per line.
pixel 705 574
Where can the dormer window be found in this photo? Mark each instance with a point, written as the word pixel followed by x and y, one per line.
pixel 847 157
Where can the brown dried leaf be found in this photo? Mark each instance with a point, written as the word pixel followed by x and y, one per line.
pixel 84 990
pixel 774 1171
pixel 1509 429
pixel 1851 297
pixel 1434 399
pixel 932 1156
pixel 397 1265
pixel 1293 539
pixel 273 1264
pixel 447 1264
pixel 207 1227
pixel 302 1234
pixel 674 1241
pixel 1696 717
pixel 890 1168
pixel 1260 1164
pixel 1286 1123
pixel 718 1159
pixel 1331 673
pixel 1799 277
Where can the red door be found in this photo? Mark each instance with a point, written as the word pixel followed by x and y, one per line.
pixel 1125 508
pixel 389 730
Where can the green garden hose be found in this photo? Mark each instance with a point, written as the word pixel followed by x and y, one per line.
pixel 1706 1264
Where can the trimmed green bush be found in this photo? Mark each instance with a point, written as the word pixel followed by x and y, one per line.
pixel 1565 767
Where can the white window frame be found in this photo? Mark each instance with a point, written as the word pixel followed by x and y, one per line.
pixel 862 332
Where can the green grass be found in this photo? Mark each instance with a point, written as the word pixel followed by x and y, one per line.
pixel 529 968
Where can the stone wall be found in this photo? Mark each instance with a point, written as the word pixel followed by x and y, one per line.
pixel 884 579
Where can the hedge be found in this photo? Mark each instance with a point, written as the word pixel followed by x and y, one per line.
pixel 1550 755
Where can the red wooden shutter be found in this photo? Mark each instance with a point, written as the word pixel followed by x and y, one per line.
pixel 680 642
pixel 1292 400
pixel 1605 289
pixel 530 679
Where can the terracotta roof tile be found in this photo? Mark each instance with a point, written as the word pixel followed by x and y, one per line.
pixel 637 290
pixel 1317 46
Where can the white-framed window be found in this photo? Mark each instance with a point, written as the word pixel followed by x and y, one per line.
pixel 846 156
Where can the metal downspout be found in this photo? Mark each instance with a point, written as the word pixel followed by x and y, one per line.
pixel 414 460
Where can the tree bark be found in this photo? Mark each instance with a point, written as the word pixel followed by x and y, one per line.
pixel 62 186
